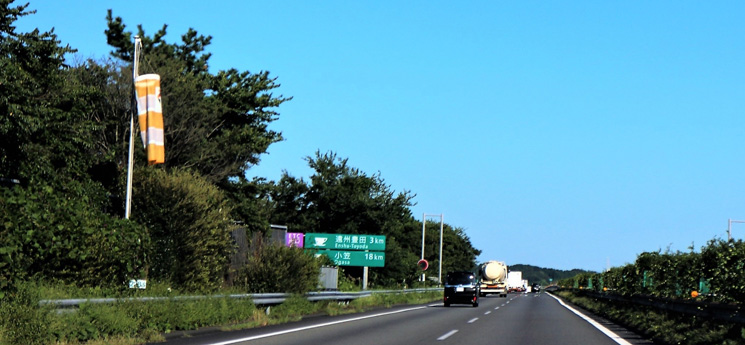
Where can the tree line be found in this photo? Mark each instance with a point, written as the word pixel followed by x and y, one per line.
pixel 64 135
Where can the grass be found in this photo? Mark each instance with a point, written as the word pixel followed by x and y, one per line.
pixel 660 326
pixel 296 308
pixel 23 321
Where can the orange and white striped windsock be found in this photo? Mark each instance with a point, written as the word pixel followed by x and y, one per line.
pixel 150 117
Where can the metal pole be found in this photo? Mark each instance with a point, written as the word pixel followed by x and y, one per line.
pixel 442 222
pixel 130 161
pixel 424 222
pixel 729 227
pixel 364 277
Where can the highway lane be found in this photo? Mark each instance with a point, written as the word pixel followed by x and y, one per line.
pixel 517 319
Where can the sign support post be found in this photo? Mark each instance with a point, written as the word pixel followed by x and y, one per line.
pixel 364 275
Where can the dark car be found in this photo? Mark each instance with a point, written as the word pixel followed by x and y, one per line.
pixel 461 287
pixel 536 287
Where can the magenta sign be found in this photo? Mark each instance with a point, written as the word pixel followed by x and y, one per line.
pixel 294 239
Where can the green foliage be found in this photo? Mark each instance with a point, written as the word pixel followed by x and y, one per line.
pixel 274 268
pixel 293 309
pixel 56 235
pixel 94 321
pixel 458 252
pixel 660 326
pixel 724 264
pixel 133 319
pixel 188 221
pixel 22 321
pixel 716 274
pixel 251 203
pixel 42 137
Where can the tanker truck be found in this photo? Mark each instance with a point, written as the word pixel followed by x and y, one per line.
pixel 493 274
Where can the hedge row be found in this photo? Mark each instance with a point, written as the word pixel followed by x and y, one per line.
pixel 715 274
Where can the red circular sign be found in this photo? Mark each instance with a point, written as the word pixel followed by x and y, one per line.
pixel 423 264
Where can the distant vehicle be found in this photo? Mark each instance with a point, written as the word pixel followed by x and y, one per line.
pixel 536 287
pixel 461 287
pixel 493 274
pixel 515 282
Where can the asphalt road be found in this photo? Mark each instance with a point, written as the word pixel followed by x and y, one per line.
pixel 518 319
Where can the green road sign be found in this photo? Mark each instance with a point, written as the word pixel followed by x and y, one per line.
pixel 344 242
pixel 354 258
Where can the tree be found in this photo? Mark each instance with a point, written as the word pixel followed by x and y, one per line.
pixel 341 199
pixel 251 203
pixel 42 136
pixel 218 123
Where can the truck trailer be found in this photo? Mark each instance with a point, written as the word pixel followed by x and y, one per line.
pixel 492 278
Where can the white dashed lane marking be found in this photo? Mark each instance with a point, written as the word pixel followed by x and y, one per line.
pixel 448 334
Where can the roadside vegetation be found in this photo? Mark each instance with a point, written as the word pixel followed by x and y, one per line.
pixel 715 274
pixel 661 326
pixel 24 321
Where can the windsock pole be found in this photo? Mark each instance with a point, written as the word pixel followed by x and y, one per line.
pixel 130 163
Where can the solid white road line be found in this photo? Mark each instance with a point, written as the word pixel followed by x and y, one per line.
pixel 473 320
pixel 600 327
pixel 446 335
pixel 313 326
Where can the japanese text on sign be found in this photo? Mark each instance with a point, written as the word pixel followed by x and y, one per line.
pixel 353 258
pixel 341 241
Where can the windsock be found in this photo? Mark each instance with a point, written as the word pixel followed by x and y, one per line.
pixel 150 117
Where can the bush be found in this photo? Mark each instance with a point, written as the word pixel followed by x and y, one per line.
pixel 724 263
pixel 187 219
pixel 274 268
pixel 56 235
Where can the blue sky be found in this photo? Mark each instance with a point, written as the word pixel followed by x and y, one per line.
pixel 562 134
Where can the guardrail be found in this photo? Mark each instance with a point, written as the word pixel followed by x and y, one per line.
pixel 258 298
pixel 718 311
